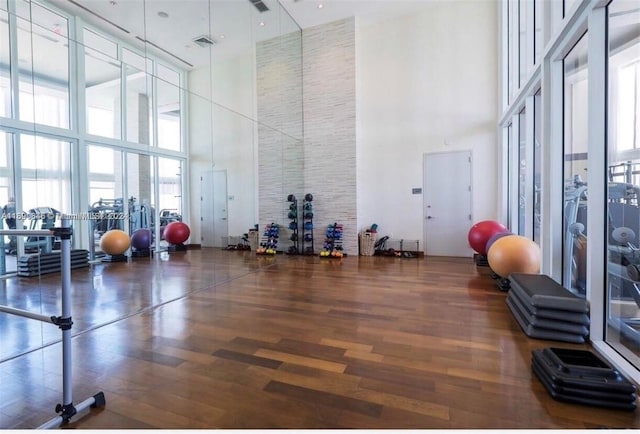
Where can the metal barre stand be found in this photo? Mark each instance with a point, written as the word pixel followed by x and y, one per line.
pixel 66 410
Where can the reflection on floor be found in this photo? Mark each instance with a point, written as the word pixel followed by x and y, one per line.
pixel 225 339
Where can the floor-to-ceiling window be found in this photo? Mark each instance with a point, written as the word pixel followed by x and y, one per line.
pixel 584 92
pixel 537 166
pixel 575 167
pixel 623 176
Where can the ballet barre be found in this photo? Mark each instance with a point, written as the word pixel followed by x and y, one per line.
pixel 66 410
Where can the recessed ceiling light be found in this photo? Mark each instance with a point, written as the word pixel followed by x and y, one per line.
pixel 320 6
pixel 113 3
pixel 163 14
pixel 221 36
pixel 262 24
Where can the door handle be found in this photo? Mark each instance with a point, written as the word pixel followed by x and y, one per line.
pixel 223 218
pixel 430 218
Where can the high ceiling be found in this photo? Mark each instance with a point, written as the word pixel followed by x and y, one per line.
pixel 170 26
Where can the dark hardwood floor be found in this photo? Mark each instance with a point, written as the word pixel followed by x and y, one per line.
pixel 222 339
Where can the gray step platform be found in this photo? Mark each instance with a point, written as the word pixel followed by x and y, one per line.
pixel 545 323
pixel 540 291
pixel 541 333
pixel 36 264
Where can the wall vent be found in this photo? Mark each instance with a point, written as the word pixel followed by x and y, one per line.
pixel 204 41
pixel 259 4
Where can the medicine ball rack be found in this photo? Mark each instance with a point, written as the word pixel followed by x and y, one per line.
pixel 294 226
pixel 67 410
pixel 307 225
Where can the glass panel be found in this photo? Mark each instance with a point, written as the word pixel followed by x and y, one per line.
pixel 46 173
pixel 5 65
pixel 100 43
pixel 522 40
pixel 3 5
pixel 169 127
pixel 623 208
pixel 8 259
pixel 511 38
pixel 170 191
pixel 102 76
pixel 43 56
pixel 538 25
pixel 537 166
pixel 522 171
pixel 139 182
pixel 106 194
pixel 568 5
pixel 508 174
pixel 575 168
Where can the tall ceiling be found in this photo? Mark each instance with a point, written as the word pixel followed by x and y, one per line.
pixel 169 26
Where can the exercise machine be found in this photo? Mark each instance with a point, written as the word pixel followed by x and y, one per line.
pixel 66 410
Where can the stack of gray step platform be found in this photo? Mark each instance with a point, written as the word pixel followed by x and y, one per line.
pixel 36 264
pixel 544 309
pixel 581 377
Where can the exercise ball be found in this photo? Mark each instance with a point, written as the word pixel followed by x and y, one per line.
pixel 141 239
pixel 514 254
pixel 494 238
pixel 176 232
pixel 480 233
pixel 115 242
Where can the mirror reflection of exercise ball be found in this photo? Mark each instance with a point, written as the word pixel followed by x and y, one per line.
pixel 142 239
pixel 623 235
pixel 115 242
pixel 176 232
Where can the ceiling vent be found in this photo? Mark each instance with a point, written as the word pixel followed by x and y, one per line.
pixel 259 4
pixel 204 41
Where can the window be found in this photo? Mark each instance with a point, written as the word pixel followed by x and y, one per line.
pixel 575 167
pixel 5 65
pixel 522 41
pixel 43 56
pixel 623 198
pixel 522 171
pixel 537 166
pixel 102 87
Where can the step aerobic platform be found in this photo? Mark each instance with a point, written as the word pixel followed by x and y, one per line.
pixel 581 377
pixel 546 323
pixel 541 291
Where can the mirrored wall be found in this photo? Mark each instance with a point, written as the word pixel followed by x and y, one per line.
pixel 144 113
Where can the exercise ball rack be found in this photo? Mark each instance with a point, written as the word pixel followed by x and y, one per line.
pixel 67 410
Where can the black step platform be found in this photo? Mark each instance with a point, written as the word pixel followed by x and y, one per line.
pixel 541 291
pixel 581 377
pixel 542 333
pixel 544 309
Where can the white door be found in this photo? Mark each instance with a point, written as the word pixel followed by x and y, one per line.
pixel 215 229
pixel 447 203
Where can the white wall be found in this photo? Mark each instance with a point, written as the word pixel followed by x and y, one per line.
pixel 422 80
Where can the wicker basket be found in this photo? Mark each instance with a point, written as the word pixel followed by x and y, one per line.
pixel 367 242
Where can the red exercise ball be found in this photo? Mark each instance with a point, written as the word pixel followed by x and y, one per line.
pixel 514 254
pixel 176 232
pixel 480 233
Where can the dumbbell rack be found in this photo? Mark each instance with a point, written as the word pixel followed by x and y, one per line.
pixel 307 225
pixel 294 226
pixel 270 237
pixel 333 238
